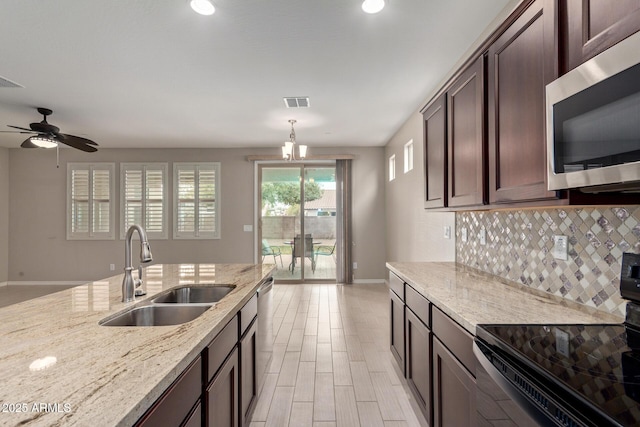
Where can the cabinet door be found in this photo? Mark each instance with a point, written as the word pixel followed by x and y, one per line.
pixel 248 383
pixel 435 154
pixel 397 329
pixel 222 395
pixel 454 390
pixel 521 62
pixel 418 339
pixel 592 26
pixel 466 144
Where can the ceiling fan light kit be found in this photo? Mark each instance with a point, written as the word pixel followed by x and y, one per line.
pixel 43 142
pixel 203 7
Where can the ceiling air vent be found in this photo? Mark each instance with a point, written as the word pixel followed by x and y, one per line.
pixel 297 102
pixel 8 83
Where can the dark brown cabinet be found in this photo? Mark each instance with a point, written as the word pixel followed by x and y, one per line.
pixel 248 352
pixel 179 403
pixel 588 27
pixel 397 329
pixel 418 349
pixel 521 62
pixel 435 154
pixel 466 142
pixel 221 396
pixel 454 397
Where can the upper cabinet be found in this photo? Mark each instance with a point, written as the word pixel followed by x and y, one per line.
pixel 435 153
pixel 588 27
pixel 466 145
pixel 521 62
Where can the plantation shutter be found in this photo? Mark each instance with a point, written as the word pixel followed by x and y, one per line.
pixel 90 201
pixel 197 202
pixel 143 199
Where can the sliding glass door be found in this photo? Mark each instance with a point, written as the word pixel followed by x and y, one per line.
pixel 297 228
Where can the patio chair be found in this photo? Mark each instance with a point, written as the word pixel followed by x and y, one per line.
pixel 267 250
pixel 297 252
pixel 325 250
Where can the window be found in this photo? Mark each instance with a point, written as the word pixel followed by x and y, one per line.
pixel 392 167
pixel 196 189
pixel 143 198
pixel 90 207
pixel 408 156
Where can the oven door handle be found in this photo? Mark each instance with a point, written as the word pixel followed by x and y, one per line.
pixel 526 404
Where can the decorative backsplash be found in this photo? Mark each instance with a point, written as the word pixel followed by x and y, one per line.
pixel 519 248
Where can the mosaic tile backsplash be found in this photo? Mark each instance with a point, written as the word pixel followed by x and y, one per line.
pixel 519 248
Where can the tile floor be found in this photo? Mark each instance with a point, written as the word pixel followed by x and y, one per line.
pixel 331 363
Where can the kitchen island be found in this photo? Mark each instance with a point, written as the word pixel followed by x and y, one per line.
pixel 59 367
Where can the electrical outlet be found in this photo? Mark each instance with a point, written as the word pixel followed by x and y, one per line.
pixel 483 236
pixel 447 232
pixel 560 247
pixel 112 267
pixel 247 227
pixel 463 234
pixel 355 265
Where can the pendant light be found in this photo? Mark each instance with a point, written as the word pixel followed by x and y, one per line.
pixel 289 147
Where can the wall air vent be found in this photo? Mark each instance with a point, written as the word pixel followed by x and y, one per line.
pixel 8 83
pixel 296 102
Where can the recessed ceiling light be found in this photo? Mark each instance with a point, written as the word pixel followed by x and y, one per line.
pixel 203 7
pixel 372 6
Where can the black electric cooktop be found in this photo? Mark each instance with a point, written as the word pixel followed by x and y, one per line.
pixel 597 365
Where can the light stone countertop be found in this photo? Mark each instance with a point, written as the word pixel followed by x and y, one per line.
pixel 471 297
pixel 106 376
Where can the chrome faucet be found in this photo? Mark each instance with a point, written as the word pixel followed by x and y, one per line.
pixel 129 284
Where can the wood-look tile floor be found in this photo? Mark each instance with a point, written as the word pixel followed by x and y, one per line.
pixel 331 362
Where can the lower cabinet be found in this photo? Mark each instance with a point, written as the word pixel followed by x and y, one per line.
pixel 397 329
pixel 418 363
pixel 221 396
pixel 248 379
pixel 454 390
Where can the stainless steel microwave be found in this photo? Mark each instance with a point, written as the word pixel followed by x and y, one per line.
pixel 593 123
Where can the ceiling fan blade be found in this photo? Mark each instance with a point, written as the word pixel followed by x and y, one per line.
pixel 28 144
pixel 15 131
pixel 77 142
pixel 18 127
pixel 62 137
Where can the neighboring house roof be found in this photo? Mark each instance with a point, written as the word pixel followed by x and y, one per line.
pixel 327 202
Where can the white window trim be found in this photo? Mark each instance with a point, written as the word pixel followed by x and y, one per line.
pixel 164 167
pixel 408 156
pixel 392 167
pixel 90 235
pixel 177 166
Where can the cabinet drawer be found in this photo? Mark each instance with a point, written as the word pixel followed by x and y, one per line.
pixel 174 405
pixel 455 338
pixel 418 304
pixel 397 285
pixel 221 346
pixel 248 313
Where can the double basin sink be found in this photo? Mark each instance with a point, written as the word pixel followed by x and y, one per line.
pixel 172 307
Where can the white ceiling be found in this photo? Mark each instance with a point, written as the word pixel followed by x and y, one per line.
pixel 153 73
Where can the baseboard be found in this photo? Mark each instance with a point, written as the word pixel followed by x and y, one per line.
pixel 3 284
pixel 369 281
pixel 45 283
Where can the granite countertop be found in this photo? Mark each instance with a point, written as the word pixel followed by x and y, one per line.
pixel 106 376
pixel 471 297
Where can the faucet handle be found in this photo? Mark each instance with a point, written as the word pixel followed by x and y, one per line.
pixel 139 291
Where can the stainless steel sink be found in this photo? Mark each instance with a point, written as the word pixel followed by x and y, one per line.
pixel 193 294
pixel 156 315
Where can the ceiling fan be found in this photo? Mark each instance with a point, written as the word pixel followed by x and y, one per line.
pixel 48 135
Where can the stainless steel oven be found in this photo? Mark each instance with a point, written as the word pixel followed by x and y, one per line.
pixel 593 123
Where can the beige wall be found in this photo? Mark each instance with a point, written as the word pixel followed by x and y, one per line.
pixel 4 215
pixel 413 233
pixel 37 208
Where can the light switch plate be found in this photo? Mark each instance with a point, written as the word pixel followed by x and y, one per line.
pixel 463 234
pixel 483 236
pixel 560 247
pixel 248 227
pixel 447 232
